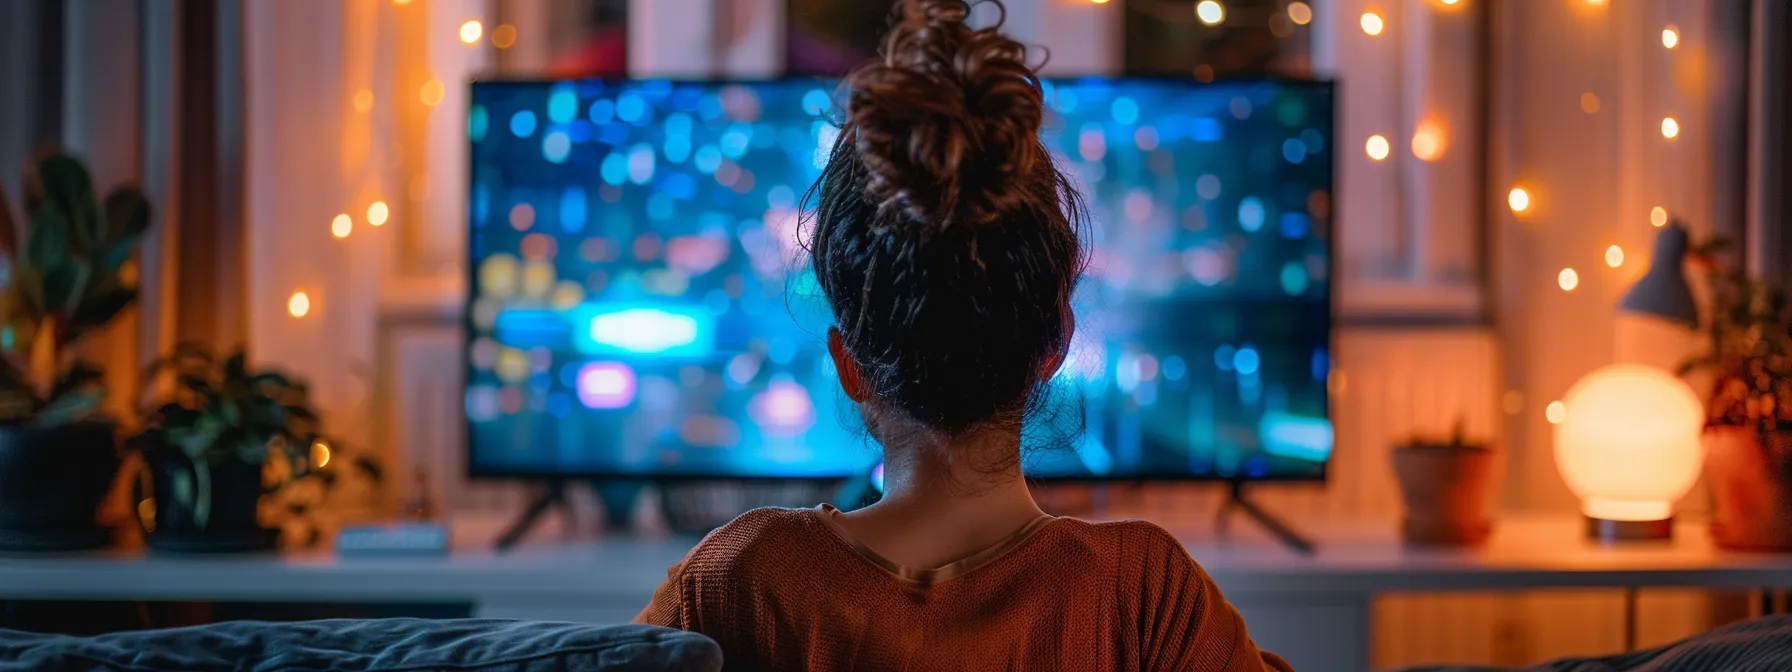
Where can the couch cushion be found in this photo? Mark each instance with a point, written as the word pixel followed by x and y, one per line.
pixel 385 645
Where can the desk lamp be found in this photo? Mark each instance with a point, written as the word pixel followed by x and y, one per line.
pixel 1628 443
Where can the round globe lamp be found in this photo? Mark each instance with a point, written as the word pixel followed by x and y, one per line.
pixel 1628 446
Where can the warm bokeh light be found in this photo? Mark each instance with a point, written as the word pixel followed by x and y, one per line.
pixel 1376 147
pixel 342 225
pixel 1300 13
pixel 1519 200
pixel 1372 23
pixel 1589 103
pixel 504 36
pixel 432 92
pixel 1449 2
pixel 1210 12
pixel 1567 279
pixel 298 305
pixel 1628 444
pixel 1428 141
pixel 1555 412
pixel 378 213
pixel 363 101
pixel 470 31
pixel 401 2
pixel 1670 37
pixel 1670 129
pixel 320 454
pixel 1099 2
pixel 1614 256
pixel 1658 216
pixel 1596 2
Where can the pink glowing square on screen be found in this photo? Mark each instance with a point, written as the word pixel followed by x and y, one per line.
pixel 606 385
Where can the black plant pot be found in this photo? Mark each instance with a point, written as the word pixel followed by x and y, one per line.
pixel 52 483
pixel 230 524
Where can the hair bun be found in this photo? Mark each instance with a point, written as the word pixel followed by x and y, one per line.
pixel 946 121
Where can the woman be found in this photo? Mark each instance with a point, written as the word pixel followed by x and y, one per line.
pixel 947 244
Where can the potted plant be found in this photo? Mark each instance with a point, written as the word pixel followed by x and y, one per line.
pixel 207 443
pixel 1445 484
pixel 68 271
pixel 1748 431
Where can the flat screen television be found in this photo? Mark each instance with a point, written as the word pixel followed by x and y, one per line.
pixel 639 304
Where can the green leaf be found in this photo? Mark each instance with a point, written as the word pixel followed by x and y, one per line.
pixel 96 311
pixel 127 214
pixel 69 408
pixel 64 284
pixel 113 256
pixel 47 243
pixel 68 188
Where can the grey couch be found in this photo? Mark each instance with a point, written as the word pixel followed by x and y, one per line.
pixel 385 645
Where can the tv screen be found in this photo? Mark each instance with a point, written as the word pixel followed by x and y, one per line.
pixel 640 304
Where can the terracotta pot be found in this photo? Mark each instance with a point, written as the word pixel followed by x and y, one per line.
pixel 1750 475
pixel 1445 489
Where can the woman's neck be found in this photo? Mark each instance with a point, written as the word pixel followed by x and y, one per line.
pixel 947 497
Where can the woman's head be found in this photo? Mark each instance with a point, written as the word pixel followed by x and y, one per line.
pixel 944 238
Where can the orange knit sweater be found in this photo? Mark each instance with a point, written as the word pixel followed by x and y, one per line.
pixel 789 589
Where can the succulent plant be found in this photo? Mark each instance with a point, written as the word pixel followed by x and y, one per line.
pixel 69 271
pixel 217 410
pixel 1458 439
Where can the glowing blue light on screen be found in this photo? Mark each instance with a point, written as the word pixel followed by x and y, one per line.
pixel 1223 357
pixel 478 122
pixel 1246 361
pixel 602 112
pixel 678 148
pixel 680 186
pixel 1206 129
pixel 575 207
pixel 640 163
pixel 1067 101
pixel 522 124
pixel 708 159
pixel 555 147
pixel 1294 225
pixel 825 136
pixel 660 207
pixel 630 108
pixel 614 169
pixel 563 103
pixel 678 125
pixel 643 330
pixel 1250 214
pixel 1094 456
pixel 781 197
pixel 1174 368
pixel 710 107
pixel 735 140
pixel 1294 150
pixel 1294 278
pixel 1125 111
pixel 1322 364
pixel 816 101
pixel 1296 437
pixel 1313 139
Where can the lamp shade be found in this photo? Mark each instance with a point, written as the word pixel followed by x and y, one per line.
pixel 1628 444
pixel 1663 291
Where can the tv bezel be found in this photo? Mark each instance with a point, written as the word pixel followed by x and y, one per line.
pixel 473 472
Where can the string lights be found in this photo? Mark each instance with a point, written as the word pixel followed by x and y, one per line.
pixel 1670 128
pixel 1210 12
pixel 1670 37
pixel 1300 13
pixel 342 225
pixel 1567 279
pixel 299 305
pixel 378 213
pixel 470 32
pixel 1372 24
pixel 1518 199
pixel 1614 256
pixel 1376 147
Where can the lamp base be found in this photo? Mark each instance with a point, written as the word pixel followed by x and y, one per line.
pixel 1618 531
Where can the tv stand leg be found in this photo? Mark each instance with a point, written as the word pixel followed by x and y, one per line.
pixel 1281 531
pixel 552 495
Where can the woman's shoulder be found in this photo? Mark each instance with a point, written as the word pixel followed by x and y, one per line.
pixel 1129 543
pixel 753 538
